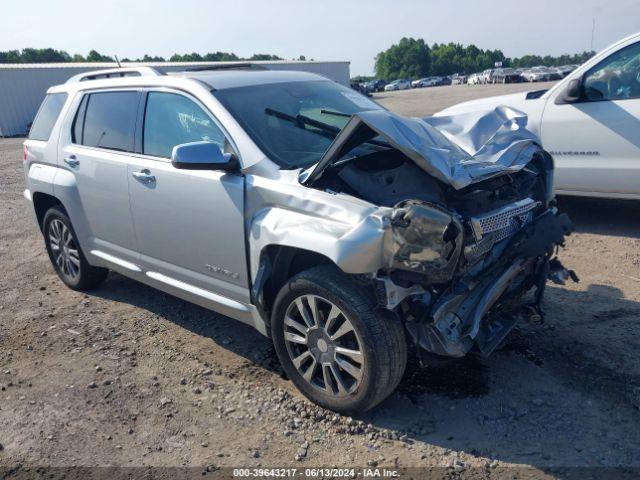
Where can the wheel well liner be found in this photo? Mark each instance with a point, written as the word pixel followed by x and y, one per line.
pixel 278 264
pixel 43 202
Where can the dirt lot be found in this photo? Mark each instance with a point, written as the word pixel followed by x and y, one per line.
pixel 128 376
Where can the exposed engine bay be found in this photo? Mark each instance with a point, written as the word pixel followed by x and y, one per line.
pixel 460 257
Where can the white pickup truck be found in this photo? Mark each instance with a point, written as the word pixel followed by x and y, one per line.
pixel 589 122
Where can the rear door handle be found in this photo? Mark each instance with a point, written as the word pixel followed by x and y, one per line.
pixel 144 176
pixel 72 161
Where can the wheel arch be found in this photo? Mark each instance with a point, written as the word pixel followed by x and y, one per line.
pixel 43 202
pixel 279 263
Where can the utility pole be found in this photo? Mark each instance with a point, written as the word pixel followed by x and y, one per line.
pixel 593 30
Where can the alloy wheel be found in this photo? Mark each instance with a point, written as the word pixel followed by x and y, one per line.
pixel 64 249
pixel 323 345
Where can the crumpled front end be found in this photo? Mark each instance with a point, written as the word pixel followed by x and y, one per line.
pixel 450 220
pixel 475 260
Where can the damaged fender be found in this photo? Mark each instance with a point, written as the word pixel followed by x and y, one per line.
pixel 348 231
pixel 358 237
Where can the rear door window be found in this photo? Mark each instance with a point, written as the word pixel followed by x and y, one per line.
pixel 47 116
pixel 107 120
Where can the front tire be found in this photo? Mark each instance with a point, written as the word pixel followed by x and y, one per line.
pixel 336 346
pixel 65 253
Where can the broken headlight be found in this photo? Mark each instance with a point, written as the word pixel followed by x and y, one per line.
pixel 426 239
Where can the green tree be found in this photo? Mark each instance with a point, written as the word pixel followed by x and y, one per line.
pixel 94 56
pixel 408 58
pixel 148 58
pixel 11 56
pixel 264 56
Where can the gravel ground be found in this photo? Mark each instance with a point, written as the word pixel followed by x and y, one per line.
pixel 128 376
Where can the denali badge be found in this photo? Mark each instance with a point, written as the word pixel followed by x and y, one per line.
pixel 222 271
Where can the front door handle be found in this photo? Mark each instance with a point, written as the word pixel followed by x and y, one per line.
pixel 144 176
pixel 72 161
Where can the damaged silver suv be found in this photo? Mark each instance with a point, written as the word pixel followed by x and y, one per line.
pixel 348 234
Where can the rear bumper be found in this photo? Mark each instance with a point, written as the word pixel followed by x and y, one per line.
pixel 29 198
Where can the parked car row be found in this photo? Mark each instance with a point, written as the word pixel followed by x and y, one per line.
pixel 405 83
pixel 491 75
pixel 515 75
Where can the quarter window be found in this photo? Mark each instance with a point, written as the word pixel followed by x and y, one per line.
pixel 615 78
pixel 172 119
pixel 47 116
pixel 107 120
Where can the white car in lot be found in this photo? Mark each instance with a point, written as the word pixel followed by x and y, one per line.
pixel 401 84
pixel 425 82
pixel 589 122
pixel 474 79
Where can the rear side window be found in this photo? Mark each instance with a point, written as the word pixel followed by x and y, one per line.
pixel 107 120
pixel 47 116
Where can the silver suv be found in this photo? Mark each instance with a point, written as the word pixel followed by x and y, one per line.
pixel 346 233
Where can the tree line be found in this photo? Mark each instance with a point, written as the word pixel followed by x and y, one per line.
pixel 50 55
pixel 414 58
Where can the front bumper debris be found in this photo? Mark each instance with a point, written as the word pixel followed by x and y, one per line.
pixel 480 311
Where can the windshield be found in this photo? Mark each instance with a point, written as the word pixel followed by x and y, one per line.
pixel 294 122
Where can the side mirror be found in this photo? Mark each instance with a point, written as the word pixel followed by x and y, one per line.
pixel 203 156
pixel 572 93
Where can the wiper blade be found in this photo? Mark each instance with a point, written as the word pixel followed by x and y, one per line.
pixel 300 121
pixel 330 131
pixel 337 114
pixel 318 124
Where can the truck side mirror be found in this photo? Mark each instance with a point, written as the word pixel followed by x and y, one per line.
pixel 572 93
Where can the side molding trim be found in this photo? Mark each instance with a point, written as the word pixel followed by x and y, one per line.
pixel 198 291
pixel 115 260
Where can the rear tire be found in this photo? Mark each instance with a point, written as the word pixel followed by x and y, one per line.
pixel 349 355
pixel 65 253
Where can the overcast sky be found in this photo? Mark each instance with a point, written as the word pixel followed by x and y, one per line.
pixel 321 29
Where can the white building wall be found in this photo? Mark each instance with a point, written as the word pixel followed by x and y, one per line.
pixel 23 86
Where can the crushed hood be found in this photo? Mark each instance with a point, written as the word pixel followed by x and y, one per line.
pixel 457 149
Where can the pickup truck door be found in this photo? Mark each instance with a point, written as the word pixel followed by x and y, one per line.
pixel 189 224
pixel 595 142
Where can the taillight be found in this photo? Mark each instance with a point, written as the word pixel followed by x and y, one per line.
pixel 25 151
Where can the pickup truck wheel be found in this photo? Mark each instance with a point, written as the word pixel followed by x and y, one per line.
pixel 339 350
pixel 65 253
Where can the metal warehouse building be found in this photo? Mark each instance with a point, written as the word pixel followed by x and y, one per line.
pixel 23 86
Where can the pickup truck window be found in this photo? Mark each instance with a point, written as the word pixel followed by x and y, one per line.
pixel 617 77
pixel 47 116
pixel 172 119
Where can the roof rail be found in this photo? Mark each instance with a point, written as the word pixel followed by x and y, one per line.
pixel 115 73
pixel 226 66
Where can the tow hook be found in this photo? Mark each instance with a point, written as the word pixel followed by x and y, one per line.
pixel 558 274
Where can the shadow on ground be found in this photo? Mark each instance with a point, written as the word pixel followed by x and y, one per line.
pixel 603 216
